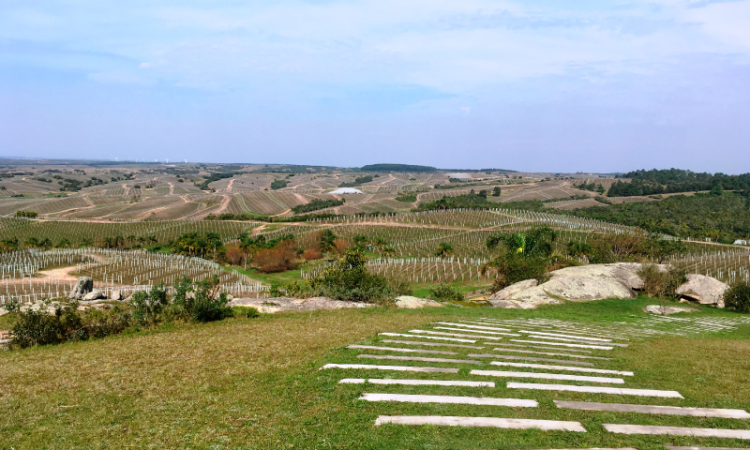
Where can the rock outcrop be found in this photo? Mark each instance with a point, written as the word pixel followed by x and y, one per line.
pixel 96 294
pixel 577 284
pixel 704 290
pixel 277 304
pixel 409 302
pixel 667 310
pixel 83 286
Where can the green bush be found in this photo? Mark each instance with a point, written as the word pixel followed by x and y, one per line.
pixel 445 292
pixel 738 297
pixel 204 304
pixel 247 312
pixel 349 279
pixel 39 326
pixel 661 284
pixel 148 306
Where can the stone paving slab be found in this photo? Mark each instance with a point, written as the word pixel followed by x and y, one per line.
pixel 652 409
pixel 403 350
pixel 528 358
pixel 491 422
pixel 706 448
pixel 478 327
pixel 547 376
pixel 596 390
pixel 485 401
pixel 469 341
pixel 677 431
pixel 488 384
pixel 542 348
pixel 440 333
pixel 396 368
pixel 571 369
pixel 541 333
pixel 464 330
pixel 578 341
pixel 569 355
pixel 419 358
pixel 431 344
pixel 561 344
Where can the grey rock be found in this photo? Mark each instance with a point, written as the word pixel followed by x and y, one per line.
pixel 278 304
pixel 115 295
pixel 512 290
pixel 704 290
pixel 667 310
pixel 83 286
pixel 409 302
pixel 96 294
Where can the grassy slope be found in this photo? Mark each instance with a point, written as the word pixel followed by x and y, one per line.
pixel 255 384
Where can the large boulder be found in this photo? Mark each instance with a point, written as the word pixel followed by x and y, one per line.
pixel 512 290
pixel 96 294
pixel 581 283
pixel 277 304
pixel 83 286
pixel 409 302
pixel 115 295
pixel 704 290
pixel 586 283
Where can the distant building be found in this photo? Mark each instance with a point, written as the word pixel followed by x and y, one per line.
pixel 346 191
pixel 741 242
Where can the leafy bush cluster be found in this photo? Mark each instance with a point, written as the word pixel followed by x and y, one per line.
pixel 609 248
pixel 526 256
pixel 738 297
pixel 39 326
pixel 445 292
pixel 347 279
pixel 659 283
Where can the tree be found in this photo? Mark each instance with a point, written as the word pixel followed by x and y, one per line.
pixel 496 191
pixel 444 250
pixel 31 242
pixel 349 279
pixel 327 241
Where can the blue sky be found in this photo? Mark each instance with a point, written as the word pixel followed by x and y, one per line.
pixel 529 85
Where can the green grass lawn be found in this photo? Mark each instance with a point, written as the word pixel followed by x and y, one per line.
pixel 256 384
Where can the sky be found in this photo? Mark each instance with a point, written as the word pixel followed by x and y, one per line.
pixel 538 85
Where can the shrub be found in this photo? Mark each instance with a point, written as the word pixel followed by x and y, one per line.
pixel 279 259
pixel 39 326
pixel 446 292
pixel 349 279
pixel 234 255
pixel 247 312
pixel 340 246
pixel 737 297
pixel 311 254
pixel 147 306
pixel 204 304
pixel 513 268
pixel 399 283
pixel 659 283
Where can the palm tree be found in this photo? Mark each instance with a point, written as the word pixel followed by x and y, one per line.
pixel 45 243
pixel 108 242
pixel 130 239
pixel 31 242
pixel 152 240
pixel 141 240
pixel 87 242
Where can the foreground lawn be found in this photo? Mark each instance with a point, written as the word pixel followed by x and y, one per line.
pixel 255 383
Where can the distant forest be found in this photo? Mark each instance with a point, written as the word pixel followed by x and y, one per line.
pixel 653 182
pixel 722 218
pixel 397 168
